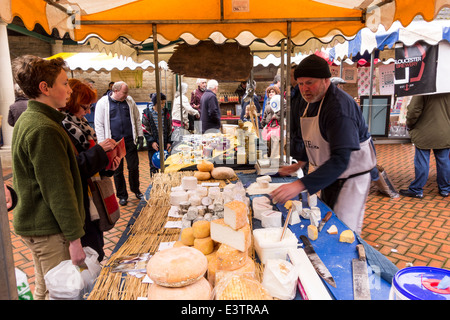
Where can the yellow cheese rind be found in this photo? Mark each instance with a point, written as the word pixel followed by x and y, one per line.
pixel 229 258
pixel 235 214
pixel 205 245
pixel 201 229
pixel 199 290
pixel 240 287
pixel 205 166
pixel 187 236
pixel 313 233
pixel 347 236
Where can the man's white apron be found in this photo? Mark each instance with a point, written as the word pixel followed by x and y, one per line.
pixel 351 201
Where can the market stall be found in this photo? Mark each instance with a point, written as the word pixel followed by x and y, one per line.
pixel 164 222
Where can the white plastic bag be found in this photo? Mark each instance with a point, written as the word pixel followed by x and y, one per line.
pixel 68 282
pixel 280 279
pixel 23 288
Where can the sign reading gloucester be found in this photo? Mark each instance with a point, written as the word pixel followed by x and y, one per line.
pixel 415 69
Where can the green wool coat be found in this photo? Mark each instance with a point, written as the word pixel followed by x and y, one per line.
pixel 45 176
pixel 428 119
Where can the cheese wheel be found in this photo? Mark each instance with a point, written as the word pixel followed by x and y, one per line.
pixel 223 173
pixel 205 166
pixel 201 229
pixel 248 270
pixel 313 233
pixel 177 197
pixel 229 258
pixel 199 290
pixel 189 183
pixel 235 214
pixel 205 245
pixel 239 287
pixel 177 267
pixel 202 175
pixel 187 236
pixel 347 236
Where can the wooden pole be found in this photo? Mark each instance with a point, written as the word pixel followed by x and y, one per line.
pixel 288 94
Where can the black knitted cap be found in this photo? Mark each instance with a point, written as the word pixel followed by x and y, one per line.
pixel 313 66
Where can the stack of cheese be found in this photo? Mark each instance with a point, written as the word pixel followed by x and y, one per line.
pixel 231 269
pixel 198 236
pixel 178 274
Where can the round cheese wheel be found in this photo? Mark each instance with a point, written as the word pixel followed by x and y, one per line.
pixel 201 229
pixel 199 290
pixel 205 166
pixel 205 245
pixel 202 175
pixel 223 173
pixel 177 267
pixel 187 236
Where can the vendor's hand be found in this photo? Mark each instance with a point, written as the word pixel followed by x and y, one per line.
pixel 108 144
pixel 77 254
pixel 155 146
pixel 168 146
pixel 287 191
pixel 288 170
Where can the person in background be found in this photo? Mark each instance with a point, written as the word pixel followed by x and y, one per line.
pixel 181 123
pixel 196 95
pixel 91 156
pixel 337 144
pixel 240 90
pixel 90 117
pixel 268 112
pixel 276 82
pixel 150 128
pixel 108 91
pixel 428 121
pixel 49 215
pixel 18 107
pixel 117 116
pixel 210 111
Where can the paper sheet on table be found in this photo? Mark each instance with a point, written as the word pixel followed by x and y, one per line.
pixel 254 188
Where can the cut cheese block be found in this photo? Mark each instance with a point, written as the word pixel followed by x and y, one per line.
pixel 239 287
pixel 271 219
pixel 347 236
pixel 229 258
pixel 199 290
pixel 201 229
pixel 187 236
pixel 239 239
pixel 177 267
pixel 204 245
pixel 313 233
pixel 235 214
pixel 312 200
pixel 177 197
pixel 189 183
pixel 259 205
pixel 332 230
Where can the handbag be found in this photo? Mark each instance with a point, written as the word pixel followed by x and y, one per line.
pixel 105 202
pixel 268 130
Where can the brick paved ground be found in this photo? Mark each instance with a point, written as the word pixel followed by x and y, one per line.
pixel 408 231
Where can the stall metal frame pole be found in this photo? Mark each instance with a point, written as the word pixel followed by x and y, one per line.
pixel 158 99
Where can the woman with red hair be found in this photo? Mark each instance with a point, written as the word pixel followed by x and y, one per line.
pixel 91 156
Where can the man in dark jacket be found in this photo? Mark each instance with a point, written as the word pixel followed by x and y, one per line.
pixel 150 128
pixel 196 95
pixel 19 106
pixel 209 105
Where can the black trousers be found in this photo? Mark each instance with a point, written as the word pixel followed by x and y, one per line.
pixel 132 159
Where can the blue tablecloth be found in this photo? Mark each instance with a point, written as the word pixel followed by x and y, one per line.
pixel 337 256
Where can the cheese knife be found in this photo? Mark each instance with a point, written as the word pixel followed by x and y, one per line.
pixel 361 290
pixel 324 220
pixel 318 265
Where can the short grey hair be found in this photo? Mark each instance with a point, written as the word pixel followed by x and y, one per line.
pixel 212 84
pixel 118 85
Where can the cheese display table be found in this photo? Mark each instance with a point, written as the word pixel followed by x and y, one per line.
pixel 156 226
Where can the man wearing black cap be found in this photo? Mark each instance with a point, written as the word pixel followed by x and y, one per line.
pixel 337 145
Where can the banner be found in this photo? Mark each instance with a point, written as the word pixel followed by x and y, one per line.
pixel 415 69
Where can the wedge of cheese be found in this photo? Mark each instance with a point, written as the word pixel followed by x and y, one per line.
pixel 259 205
pixel 239 239
pixel 235 214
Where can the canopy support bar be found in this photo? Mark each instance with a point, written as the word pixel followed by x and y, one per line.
pixel 215 21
